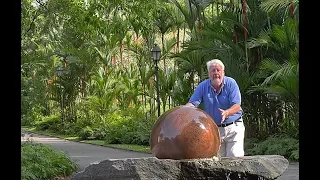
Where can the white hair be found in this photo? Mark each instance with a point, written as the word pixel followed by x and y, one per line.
pixel 215 61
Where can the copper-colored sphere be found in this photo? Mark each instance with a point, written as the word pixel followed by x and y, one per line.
pixel 185 133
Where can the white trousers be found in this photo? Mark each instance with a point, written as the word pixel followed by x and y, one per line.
pixel 232 140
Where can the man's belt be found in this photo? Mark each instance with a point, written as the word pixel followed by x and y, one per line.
pixel 225 125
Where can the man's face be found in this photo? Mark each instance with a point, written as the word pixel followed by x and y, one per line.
pixel 216 74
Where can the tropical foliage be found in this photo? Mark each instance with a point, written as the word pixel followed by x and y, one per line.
pixel 40 161
pixel 107 86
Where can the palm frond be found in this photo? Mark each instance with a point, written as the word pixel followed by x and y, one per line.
pixel 270 5
pixel 188 61
pixel 262 40
pixel 201 3
pixel 280 71
pixel 209 44
pixel 168 46
pixel 189 14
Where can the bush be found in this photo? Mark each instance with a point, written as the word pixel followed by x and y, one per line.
pixel 40 161
pixel 100 133
pixel 277 145
pixel 52 122
pixel 128 127
pixel 114 126
pixel 249 143
pixel 85 133
pixel 70 128
pixel 31 116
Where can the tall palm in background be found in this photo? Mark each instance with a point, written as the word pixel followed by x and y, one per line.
pixel 280 70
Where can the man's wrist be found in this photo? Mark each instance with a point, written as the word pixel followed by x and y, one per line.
pixel 227 113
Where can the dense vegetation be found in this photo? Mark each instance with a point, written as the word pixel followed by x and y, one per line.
pixel 40 161
pixel 106 87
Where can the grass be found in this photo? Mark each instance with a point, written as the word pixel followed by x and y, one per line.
pixel 138 148
pixel 130 147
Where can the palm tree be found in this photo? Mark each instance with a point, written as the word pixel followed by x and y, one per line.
pixel 280 70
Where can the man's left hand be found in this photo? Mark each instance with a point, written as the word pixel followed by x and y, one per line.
pixel 224 114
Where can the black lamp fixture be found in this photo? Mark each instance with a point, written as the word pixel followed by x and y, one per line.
pixel 156 53
pixel 59 72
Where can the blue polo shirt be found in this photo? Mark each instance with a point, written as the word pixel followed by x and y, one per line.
pixel 228 96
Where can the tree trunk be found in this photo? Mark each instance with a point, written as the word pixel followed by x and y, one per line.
pixel 292 10
pixel 217 9
pixel 244 15
pixel 164 59
pixel 199 18
pixel 121 52
pixel 184 33
pixel 178 40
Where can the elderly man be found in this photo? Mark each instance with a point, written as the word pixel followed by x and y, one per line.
pixel 221 97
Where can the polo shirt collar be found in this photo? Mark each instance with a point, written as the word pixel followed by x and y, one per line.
pixel 224 82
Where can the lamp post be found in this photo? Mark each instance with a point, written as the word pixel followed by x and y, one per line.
pixel 59 71
pixel 156 52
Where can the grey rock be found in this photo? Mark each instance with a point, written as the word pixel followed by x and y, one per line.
pixel 264 167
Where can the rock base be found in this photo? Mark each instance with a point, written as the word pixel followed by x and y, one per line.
pixel 264 167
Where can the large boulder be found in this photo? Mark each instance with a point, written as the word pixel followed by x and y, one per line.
pixel 185 133
pixel 264 167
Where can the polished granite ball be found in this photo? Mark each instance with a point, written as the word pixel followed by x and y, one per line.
pixel 185 133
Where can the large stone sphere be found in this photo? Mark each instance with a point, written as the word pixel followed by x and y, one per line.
pixel 185 133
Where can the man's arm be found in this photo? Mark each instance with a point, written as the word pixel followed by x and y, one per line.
pixel 235 99
pixel 196 97
pixel 228 112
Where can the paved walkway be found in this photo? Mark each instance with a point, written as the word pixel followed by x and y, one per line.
pixel 84 154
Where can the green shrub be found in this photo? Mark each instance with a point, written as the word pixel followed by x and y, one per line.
pixel 33 115
pixel 128 127
pixel 114 127
pixel 70 128
pixel 85 133
pixel 276 145
pixel 100 132
pixel 52 122
pixel 86 116
pixel 249 143
pixel 144 127
pixel 40 161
